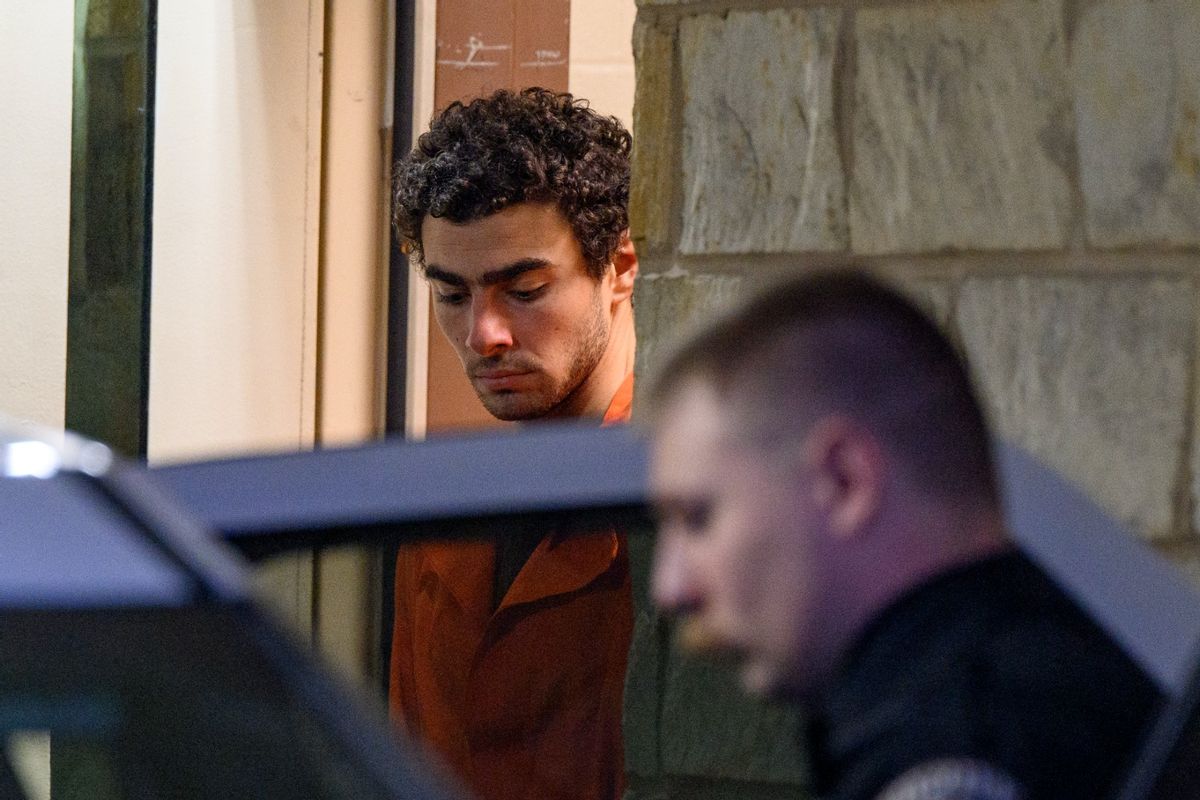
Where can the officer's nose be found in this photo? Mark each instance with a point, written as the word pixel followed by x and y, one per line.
pixel 490 332
pixel 672 584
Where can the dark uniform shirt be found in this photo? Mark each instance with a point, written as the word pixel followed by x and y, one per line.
pixel 985 683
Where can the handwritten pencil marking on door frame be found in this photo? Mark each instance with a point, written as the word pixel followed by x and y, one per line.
pixel 545 58
pixel 475 46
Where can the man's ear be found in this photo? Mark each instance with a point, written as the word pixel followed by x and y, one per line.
pixel 848 469
pixel 625 263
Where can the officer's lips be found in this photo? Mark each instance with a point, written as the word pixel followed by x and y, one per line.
pixel 697 638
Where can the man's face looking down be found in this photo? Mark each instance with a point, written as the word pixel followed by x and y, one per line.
pixel 513 295
pixel 738 556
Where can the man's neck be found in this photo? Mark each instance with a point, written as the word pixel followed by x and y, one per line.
pixel 594 395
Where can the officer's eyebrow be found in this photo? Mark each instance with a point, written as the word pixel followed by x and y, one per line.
pixel 691 509
pixel 490 278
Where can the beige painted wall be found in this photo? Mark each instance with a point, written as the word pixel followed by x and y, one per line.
pixel 601 57
pixel 35 136
pixel 246 331
pixel 416 381
pixel 353 253
pixel 354 223
pixel 237 156
pixel 36 46
pixel 236 210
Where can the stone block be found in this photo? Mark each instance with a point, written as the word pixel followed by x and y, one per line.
pixel 1136 71
pixel 962 129
pixel 655 133
pixel 711 729
pixel 1186 558
pixel 1092 377
pixel 761 168
pixel 668 306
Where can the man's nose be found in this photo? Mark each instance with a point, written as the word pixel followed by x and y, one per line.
pixel 490 332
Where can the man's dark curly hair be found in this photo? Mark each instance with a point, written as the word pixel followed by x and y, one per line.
pixel 515 147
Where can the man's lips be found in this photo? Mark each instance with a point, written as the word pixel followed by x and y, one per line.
pixel 496 380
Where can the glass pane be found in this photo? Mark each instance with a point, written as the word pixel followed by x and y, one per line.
pixel 109 270
pixel 163 703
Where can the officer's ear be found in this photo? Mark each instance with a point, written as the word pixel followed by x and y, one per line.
pixel 625 266
pixel 847 474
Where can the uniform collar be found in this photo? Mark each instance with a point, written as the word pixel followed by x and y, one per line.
pixel 874 693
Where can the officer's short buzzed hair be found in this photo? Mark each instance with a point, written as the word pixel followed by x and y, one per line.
pixel 843 342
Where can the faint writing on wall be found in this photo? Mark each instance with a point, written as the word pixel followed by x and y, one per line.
pixel 545 58
pixel 476 57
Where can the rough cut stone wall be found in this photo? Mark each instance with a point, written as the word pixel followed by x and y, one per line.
pixel 1029 169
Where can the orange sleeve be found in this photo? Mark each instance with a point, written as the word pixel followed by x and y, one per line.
pixel 402 684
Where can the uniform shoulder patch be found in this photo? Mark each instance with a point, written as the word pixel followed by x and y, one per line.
pixel 953 779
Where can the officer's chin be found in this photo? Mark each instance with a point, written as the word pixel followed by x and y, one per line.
pixel 777 682
pixel 762 681
pixel 696 638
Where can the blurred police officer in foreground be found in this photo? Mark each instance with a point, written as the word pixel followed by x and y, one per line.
pixel 830 521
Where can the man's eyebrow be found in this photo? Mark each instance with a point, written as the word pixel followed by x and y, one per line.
pixel 490 278
pixel 513 270
pixel 435 273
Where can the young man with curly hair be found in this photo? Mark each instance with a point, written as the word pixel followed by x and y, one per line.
pixel 509 658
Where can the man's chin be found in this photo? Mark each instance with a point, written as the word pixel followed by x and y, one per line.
pixel 512 406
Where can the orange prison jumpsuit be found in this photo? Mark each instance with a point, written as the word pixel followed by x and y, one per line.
pixel 523 702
